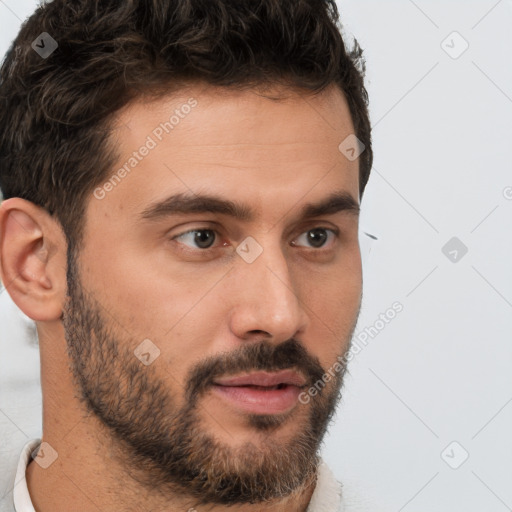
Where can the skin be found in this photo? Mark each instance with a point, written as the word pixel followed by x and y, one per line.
pixel 197 306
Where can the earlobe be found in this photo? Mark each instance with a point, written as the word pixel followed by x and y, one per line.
pixel 32 269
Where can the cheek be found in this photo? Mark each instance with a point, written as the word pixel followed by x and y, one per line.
pixel 333 303
pixel 178 312
pixel 335 291
pixel 146 298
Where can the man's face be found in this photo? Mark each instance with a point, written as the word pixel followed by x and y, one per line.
pixel 209 304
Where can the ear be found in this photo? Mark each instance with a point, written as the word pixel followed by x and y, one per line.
pixel 32 259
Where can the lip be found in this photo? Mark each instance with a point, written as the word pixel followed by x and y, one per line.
pixel 240 391
pixel 289 377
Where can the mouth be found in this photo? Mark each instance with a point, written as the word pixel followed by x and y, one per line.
pixel 261 392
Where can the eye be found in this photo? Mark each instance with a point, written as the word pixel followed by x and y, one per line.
pixel 204 238
pixel 317 236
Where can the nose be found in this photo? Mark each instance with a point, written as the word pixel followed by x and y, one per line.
pixel 267 297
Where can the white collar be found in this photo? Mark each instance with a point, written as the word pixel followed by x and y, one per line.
pixel 21 497
pixel 326 496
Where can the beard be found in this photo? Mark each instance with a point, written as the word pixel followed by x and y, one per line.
pixel 166 448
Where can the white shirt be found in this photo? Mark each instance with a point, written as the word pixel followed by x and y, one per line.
pixel 327 496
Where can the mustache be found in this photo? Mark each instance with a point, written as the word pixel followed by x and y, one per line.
pixel 262 356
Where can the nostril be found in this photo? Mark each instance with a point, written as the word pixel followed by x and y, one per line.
pixel 259 332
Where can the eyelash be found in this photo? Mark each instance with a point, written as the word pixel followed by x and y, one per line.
pixel 334 231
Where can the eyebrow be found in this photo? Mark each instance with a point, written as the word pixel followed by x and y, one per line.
pixel 183 203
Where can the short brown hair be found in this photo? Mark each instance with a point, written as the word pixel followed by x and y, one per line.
pixel 55 111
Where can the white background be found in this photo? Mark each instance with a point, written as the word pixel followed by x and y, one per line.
pixel 441 370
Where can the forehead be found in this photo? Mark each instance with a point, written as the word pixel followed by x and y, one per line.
pixel 243 144
pixel 218 110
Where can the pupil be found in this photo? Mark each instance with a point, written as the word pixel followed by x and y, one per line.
pixel 203 237
pixel 317 237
